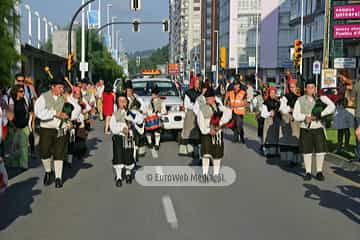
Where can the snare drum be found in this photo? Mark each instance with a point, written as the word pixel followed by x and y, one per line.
pixel 152 122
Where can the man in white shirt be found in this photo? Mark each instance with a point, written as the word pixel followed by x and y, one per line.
pixel 53 145
pixel 312 133
pixel 99 93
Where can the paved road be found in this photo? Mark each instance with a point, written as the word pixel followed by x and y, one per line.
pixel 267 201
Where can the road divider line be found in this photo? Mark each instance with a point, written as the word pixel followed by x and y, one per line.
pixel 170 212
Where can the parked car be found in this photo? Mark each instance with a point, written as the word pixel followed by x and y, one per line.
pixel 173 120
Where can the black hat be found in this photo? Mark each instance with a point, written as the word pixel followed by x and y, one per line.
pixel 155 90
pixel 57 81
pixel 84 80
pixel 128 85
pixel 209 93
pixel 310 81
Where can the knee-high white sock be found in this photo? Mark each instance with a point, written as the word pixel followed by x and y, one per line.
pixel 58 165
pixel 216 163
pixel 205 165
pixel 135 152
pixel 47 164
pixel 148 137
pixel 157 139
pixel 118 168
pixel 129 168
pixel 319 161
pixel 307 162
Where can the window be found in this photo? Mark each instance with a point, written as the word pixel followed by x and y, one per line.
pixel 196 9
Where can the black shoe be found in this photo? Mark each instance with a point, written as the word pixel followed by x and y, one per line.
pixel 47 179
pixel 128 179
pixel 157 148
pixel 307 177
pixel 242 140
pixel 320 176
pixel 118 183
pixel 58 183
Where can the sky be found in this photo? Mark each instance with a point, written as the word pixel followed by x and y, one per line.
pixel 60 12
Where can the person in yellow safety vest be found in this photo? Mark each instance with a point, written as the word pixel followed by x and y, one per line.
pixel 236 100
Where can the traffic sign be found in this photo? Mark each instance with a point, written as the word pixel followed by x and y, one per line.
pixel 316 68
pixel 343 63
pixel 84 66
pixel 173 69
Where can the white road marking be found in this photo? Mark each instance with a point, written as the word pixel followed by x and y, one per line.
pixel 159 170
pixel 170 212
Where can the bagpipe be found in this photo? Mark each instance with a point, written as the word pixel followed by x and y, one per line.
pixel 316 111
pixel 216 118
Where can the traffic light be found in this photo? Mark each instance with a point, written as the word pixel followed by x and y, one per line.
pixel 298 49
pixel 135 5
pixel 70 61
pixel 136 26
pixel 223 57
pixel 166 25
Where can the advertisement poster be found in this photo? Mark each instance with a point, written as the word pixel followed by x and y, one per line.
pixel 347 12
pixel 347 31
pixel 328 79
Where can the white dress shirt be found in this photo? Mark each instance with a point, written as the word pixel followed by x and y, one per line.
pixel 47 116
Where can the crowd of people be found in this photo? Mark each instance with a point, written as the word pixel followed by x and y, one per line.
pixel 290 125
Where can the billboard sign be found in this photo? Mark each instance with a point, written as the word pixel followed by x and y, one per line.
pixel 347 12
pixel 344 63
pixel 328 79
pixel 173 69
pixel 342 31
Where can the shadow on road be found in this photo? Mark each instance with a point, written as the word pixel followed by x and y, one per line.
pixel 18 199
pixel 352 175
pixel 333 200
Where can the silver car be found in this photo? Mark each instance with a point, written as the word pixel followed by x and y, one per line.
pixel 174 118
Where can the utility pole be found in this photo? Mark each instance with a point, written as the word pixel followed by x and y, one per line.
pixel 302 33
pixel 83 39
pixel 326 34
pixel 38 28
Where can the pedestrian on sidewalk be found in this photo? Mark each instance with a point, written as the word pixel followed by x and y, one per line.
pixel 108 106
pixel 356 94
pixel 3 123
pixel 22 110
pixel 310 110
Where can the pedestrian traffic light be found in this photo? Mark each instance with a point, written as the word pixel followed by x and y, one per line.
pixel 298 49
pixel 136 26
pixel 135 5
pixel 70 61
pixel 166 25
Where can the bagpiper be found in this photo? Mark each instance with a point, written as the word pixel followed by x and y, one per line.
pixel 49 108
pixel 309 110
pixel 212 116
pixel 122 125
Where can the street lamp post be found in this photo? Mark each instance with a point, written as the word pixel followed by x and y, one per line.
pixel 217 58
pixel 99 15
pixel 108 6
pixel 38 28
pixel 113 33
pixel 204 57
pixel 83 38
pixel 29 22
pixel 302 33
pixel 51 27
pixel 46 29
pixel 257 47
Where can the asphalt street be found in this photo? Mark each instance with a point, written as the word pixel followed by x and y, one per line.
pixel 267 201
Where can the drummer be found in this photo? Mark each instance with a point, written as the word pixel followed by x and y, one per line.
pixel 154 110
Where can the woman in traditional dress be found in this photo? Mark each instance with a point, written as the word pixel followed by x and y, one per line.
pixel 289 128
pixel 270 112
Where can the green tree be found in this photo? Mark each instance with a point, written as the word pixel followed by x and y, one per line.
pixel 8 54
pixel 157 57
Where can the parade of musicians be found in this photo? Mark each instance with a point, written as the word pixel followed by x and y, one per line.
pixel 99 143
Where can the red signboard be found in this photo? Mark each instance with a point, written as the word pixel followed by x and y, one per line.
pixel 173 69
pixel 347 31
pixel 347 12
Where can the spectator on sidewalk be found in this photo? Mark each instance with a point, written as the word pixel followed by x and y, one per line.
pixel 22 110
pixel 356 95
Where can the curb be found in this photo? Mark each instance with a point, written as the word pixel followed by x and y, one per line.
pixel 329 157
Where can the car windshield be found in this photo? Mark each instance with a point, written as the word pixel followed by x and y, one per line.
pixel 143 88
